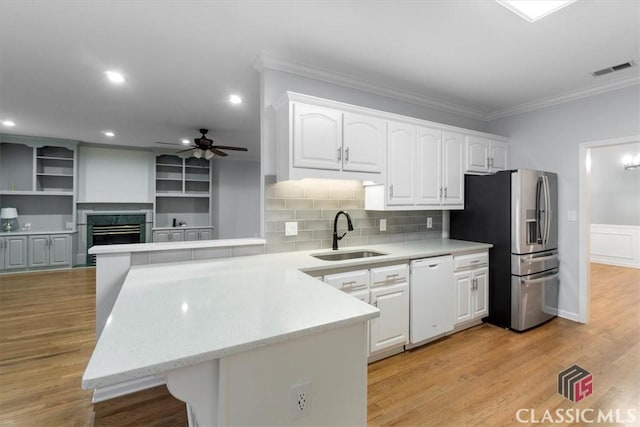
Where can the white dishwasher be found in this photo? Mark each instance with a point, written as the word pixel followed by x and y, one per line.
pixel 431 304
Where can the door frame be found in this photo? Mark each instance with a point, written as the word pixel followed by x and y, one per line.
pixel 584 218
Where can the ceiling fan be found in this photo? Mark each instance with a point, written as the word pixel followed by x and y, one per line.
pixel 204 147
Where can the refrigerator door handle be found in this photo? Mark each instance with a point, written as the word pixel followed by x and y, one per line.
pixel 541 258
pixel 539 211
pixel 547 210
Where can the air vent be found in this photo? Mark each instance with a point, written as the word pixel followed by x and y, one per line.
pixel 612 69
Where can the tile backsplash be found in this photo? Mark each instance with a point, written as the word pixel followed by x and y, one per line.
pixel 313 204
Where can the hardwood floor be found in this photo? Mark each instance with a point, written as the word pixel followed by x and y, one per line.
pixel 481 376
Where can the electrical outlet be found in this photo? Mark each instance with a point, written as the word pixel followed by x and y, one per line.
pixel 290 228
pixel 383 224
pixel 300 400
pixel 429 222
pixel 571 216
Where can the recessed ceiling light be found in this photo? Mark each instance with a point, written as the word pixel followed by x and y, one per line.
pixel 109 133
pixel 235 99
pixel 532 10
pixel 114 76
pixel 8 123
pixel 185 141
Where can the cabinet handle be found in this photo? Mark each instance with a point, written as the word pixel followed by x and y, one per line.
pixel 339 154
pixel 391 276
pixel 346 154
pixel 491 162
pixel 375 303
pixel 441 192
pixel 391 190
pixel 348 283
pixel 445 192
pixel 475 261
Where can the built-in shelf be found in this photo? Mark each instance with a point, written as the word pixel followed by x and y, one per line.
pixel 54 158
pixel 183 191
pixel 55 174
pixel 36 193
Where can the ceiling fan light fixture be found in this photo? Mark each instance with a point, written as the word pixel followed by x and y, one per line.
pixel 197 153
pixel 208 154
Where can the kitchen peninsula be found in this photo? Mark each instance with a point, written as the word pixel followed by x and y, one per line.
pixel 243 332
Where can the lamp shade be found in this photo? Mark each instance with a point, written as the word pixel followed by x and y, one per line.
pixel 8 213
pixel 197 153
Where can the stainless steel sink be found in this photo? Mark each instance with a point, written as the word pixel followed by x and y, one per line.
pixel 341 256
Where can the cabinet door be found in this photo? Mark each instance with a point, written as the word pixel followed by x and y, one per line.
pixel 401 142
pixel 429 166
pixel 205 234
pixel 499 156
pixel 15 252
pixel 463 296
pixel 478 157
pixel 2 252
pixel 59 249
pixel 453 173
pixel 161 236
pixel 317 137
pixel 392 327
pixel 481 293
pixel 176 235
pixel 190 235
pixel 364 143
pixel 38 251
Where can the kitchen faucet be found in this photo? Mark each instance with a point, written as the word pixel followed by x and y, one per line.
pixel 335 228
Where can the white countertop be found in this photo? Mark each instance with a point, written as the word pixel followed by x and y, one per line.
pixel 172 246
pixel 178 314
pixel 36 232
pixel 183 227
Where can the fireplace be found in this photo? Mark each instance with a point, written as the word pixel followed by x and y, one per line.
pixel 114 229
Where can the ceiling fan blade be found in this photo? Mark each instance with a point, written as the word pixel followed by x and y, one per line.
pixel 219 153
pixel 225 147
pixel 167 143
pixel 188 149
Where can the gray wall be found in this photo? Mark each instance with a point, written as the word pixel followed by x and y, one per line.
pixel 236 208
pixel 549 138
pixel 615 192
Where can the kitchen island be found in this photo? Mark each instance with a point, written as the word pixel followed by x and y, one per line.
pixel 232 339
pixel 243 332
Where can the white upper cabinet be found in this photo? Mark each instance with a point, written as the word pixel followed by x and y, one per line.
pixel 452 170
pixel 424 170
pixel 317 137
pixel 364 142
pixel 401 143
pixel 499 153
pixel 429 166
pixel 485 155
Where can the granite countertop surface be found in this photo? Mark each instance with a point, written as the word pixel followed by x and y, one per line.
pixel 178 314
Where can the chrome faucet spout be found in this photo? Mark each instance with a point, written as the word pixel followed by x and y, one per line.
pixel 335 228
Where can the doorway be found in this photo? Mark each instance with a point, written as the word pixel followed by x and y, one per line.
pixel 585 186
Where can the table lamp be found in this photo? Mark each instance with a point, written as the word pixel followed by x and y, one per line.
pixel 9 219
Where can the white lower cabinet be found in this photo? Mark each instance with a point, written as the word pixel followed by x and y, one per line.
pixel 388 289
pixel 13 252
pixel 471 287
pixel 49 250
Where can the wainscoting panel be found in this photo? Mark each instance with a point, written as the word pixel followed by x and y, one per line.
pixel 615 244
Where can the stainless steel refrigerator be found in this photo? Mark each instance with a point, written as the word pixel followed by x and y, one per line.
pixel 516 211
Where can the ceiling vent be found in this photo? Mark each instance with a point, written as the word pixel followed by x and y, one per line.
pixel 612 69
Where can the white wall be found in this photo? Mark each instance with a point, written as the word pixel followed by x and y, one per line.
pixel 615 192
pixel 275 83
pixel 115 175
pixel 236 198
pixel 549 139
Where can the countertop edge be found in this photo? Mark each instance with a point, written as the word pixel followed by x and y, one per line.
pixel 172 246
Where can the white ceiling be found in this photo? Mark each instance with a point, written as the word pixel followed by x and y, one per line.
pixel 183 59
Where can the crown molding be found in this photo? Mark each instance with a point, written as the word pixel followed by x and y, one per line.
pixel 565 97
pixel 270 61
